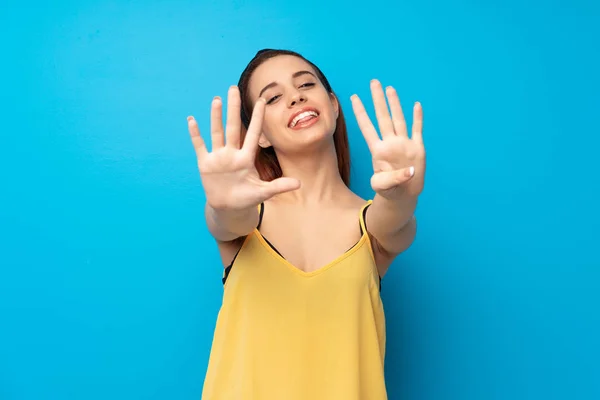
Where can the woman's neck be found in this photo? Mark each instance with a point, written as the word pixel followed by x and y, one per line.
pixel 318 173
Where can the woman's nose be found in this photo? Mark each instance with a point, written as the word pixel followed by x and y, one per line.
pixel 298 98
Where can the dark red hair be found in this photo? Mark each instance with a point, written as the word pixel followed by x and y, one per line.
pixel 266 162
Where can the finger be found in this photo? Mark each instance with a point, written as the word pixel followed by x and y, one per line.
pixel 386 127
pixel 255 127
pixel 364 122
pixel 397 114
pixel 417 128
pixel 197 141
pixel 232 132
pixel 278 186
pixel 389 179
pixel 216 123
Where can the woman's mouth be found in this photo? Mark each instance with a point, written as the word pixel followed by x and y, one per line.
pixel 304 119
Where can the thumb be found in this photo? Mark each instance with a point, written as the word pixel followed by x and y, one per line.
pixel 389 179
pixel 277 186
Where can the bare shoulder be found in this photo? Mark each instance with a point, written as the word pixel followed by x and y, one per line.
pixel 383 259
pixel 351 201
pixel 229 249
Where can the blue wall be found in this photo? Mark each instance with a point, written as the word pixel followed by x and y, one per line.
pixel 110 283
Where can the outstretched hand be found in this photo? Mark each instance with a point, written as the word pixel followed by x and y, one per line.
pixel 228 172
pixel 398 160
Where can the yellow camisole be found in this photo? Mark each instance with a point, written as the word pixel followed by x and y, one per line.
pixel 285 334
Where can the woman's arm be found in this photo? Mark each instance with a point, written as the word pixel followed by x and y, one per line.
pixel 228 225
pixel 399 171
pixel 231 182
pixel 392 223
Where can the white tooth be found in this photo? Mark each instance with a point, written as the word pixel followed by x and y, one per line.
pixel 302 115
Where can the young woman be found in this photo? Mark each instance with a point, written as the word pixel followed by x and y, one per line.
pixel 302 316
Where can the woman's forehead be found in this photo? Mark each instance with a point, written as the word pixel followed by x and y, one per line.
pixel 277 69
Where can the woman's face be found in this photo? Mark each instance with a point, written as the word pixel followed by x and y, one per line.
pixel 299 110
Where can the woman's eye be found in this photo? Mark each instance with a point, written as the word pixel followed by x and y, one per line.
pixel 272 99
pixel 304 85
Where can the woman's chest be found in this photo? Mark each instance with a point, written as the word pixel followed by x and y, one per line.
pixel 311 243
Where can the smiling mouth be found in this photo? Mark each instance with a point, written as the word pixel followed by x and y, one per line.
pixel 304 118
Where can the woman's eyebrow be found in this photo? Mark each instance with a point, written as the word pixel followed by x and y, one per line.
pixel 294 75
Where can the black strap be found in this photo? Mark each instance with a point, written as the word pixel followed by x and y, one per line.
pixel 228 268
pixel 260 215
pixel 364 215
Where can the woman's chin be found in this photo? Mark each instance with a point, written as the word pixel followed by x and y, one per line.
pixel 311 139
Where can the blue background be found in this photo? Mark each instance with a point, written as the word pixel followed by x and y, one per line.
pixel 110 283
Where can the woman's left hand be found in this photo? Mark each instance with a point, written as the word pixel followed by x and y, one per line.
pixel 398 160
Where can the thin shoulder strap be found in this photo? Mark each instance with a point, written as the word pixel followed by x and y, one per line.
pixel 261 211
pixel 363 229
pixel 363 217
pixel 227 270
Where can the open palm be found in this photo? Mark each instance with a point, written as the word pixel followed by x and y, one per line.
pixel 228 172
pixel 398 160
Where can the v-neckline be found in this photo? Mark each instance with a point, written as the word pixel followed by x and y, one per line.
pixel 275 253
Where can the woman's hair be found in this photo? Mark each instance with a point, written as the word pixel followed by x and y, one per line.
pixel 266 161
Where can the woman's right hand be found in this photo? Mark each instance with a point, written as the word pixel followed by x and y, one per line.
pixel 228 174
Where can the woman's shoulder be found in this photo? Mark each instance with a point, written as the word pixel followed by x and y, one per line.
pixel 356 201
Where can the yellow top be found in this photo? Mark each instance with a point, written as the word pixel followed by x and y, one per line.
pixel 285 334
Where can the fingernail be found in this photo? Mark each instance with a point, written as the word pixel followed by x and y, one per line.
pixel 411 171
pixel 190 118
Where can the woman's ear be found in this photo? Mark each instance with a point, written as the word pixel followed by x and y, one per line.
pixel 263 141
pixel 336 104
